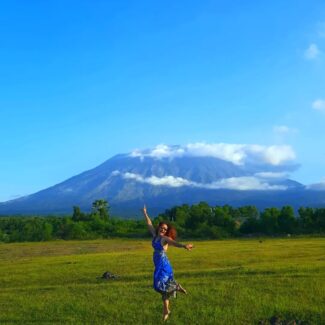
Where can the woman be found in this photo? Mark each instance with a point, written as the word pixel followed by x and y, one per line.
pixel 163 278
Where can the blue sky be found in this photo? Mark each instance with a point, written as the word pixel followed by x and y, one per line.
pixel 82 81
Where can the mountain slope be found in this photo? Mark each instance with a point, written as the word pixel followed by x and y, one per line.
pixel 127 181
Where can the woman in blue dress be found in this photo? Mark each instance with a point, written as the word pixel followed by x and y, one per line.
pixel 163 278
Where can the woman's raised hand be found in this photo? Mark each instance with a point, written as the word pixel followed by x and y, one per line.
pixel 144 210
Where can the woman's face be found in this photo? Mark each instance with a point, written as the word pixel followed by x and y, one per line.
pixel 162 229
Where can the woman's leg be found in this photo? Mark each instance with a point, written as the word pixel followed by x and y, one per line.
pixel 181 289
pixel 166 310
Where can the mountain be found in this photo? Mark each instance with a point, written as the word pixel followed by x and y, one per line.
pixel 127 181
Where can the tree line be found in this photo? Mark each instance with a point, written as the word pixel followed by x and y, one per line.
pixel 205 221
pixel 191 221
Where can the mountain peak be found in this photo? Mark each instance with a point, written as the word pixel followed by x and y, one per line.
pixel 168 175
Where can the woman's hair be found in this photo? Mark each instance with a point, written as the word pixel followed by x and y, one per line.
pixel 171 231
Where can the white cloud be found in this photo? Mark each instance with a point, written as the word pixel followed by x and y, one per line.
pixel 159 181
pixel 136 177
pixel 238 154
pixel 276 155
pixel 168 181
pixel 312 52
pixel 319 105
pixel 160 151
pixel 272 175
pixel 282 130
pixel 245 184
pixel 232 183
pixel 234 153
pixel 317 186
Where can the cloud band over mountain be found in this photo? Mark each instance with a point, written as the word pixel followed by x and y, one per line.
pixel 238 154
pixel 276 156
pixel 232 183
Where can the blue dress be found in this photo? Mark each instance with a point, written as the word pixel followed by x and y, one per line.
pixel 163 277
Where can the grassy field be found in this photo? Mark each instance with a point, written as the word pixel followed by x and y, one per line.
pixel 229 282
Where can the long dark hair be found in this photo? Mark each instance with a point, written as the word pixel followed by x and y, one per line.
pixel 171 230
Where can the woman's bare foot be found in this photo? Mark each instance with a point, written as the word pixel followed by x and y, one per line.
pixel 165 316
pixel 181 289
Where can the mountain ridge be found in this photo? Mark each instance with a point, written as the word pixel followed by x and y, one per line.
pixel 127 181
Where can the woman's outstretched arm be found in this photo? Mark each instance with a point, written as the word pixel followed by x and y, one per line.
pixel 177 244
pixel 149 223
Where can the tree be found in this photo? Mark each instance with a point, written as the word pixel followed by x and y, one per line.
pixel 269 221
pixel 101 208
pixel 251 225
pixel 77 214
pixel 287 221
pixel 248 211
pixel 319 218
pixel 223 217
pixel 306 219
pixel 199 213
pixel 181 214
pixel 35 229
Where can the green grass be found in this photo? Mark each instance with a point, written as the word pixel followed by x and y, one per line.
pixel 229 282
